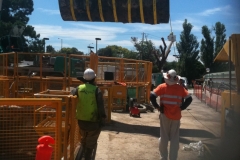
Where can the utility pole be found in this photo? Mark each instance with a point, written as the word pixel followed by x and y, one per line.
pixel 142 45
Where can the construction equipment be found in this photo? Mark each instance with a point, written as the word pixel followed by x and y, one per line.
pixel 13 41
pixel 133 107
pixel 125 11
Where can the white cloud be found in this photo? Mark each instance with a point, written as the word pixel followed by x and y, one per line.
pixel 101 28
pixel 118 43
pixel 48 11
pixel 73 33
pixel 209 12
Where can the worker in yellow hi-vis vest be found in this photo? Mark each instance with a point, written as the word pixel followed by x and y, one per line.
pixel 90 113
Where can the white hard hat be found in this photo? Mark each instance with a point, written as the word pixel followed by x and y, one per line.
pixel 171 77
pixel 89 74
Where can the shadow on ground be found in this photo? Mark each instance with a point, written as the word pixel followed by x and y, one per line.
pixel 153 131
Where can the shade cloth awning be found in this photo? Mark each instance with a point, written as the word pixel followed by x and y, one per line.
pixel 223 55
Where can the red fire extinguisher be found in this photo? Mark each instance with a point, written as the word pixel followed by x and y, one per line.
pixel 44 150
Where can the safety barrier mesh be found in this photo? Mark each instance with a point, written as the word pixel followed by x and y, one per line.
pixel 23 121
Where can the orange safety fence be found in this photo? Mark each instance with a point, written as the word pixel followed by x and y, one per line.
pixel 208 95
pixel 23 121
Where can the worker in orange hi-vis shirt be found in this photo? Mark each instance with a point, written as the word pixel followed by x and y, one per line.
pixel 171 105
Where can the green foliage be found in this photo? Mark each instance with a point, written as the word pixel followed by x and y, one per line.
pixel 220 40
pixel 72 50
pixel 211 46
pixel 188 53
pixel 50 49
pixel 115 51
pixel 170 65
pixel 144 49
pixel 207 47
pixel 131 55
pixel 16 12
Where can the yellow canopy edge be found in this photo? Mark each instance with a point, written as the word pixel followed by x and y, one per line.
pixel 223 55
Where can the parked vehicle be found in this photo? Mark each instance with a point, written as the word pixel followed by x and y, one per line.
pixel 185 81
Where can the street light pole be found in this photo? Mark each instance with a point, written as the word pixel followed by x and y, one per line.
pixel 96 43
pixel 44 39
pixel 90 47
pixel 61 43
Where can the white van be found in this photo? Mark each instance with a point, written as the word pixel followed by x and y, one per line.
pixel 185 81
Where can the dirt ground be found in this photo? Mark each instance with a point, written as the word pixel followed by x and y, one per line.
pixel 130 137
pixel 134 138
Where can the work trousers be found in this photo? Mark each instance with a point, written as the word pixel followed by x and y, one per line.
pixel 89 137
pixel 169 131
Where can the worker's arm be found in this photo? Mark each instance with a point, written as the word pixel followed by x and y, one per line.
pixel 74 92
pixel 100 104
pixel 153 99
pixel 187 102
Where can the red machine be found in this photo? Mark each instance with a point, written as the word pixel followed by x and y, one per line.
pixel 133 108
pixel 44 150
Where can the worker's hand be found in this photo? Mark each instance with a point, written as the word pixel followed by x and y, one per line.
pixel 161 108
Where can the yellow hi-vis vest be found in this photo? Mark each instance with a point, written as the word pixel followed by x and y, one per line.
pixel 87 104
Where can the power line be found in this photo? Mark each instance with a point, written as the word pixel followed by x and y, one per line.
pixel 154 36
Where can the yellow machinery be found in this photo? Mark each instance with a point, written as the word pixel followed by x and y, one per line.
pixel 231 99
pixel 125 11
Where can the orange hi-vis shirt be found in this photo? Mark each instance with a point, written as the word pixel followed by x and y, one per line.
pixel 171 97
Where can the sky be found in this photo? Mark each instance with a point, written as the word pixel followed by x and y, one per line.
pixel 47 21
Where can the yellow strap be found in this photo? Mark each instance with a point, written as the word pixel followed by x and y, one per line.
pixel 129 11
pixel 154 12
pixel 114 10
pixel 141 10
pixel 100 10
pixel 72 10
pixel 88 10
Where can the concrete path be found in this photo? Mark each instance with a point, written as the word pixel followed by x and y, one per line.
pixel 130 138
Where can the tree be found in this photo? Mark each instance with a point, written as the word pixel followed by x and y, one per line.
pixel 144 49
pixel 114 51
pixel 188 52
pixel 211 46
pixel 50 49
pixel 131 55
pixel 15 13
pixel 220 40
pixel 207 47
pixel 72 50
pixel 170 65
